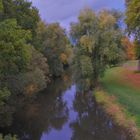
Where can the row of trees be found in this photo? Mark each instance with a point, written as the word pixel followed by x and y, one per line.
pixel 31 52
pixel 100 42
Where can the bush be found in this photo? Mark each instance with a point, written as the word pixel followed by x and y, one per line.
pixel 8 137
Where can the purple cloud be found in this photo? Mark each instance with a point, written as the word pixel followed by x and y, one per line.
pixel 66 11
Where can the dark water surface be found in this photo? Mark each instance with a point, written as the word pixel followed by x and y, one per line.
pixel 62 113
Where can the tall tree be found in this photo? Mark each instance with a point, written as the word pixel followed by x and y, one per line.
pixel 1 9
pixel 98 44
pixel 22 10
pixel 133 23
pixel 22 68
pixel 1 6
pixel 132 17
pixel 130 48
pixel 53 43
pixel 14 50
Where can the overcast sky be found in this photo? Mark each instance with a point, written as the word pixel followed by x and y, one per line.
pixel 67 11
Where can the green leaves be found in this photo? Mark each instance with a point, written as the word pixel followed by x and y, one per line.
pixel 87 43
pixel 86 66
pixel 14 49
pixel 4 95
pixel 8 137
pixel 26 15
pixel 133 17
pixel 52 41
pixel 1 6
pixel 133 24
pixel 98 41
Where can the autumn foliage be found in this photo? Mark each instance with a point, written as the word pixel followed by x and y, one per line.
pixel 130 49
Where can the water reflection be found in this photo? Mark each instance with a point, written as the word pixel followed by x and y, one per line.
pixel 65 133
pixel 48 111
pixel 62 113
pixel 91 123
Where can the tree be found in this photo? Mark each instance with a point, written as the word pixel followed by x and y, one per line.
pixel 1 10
pixel 14 49
pixel 41 36
pixel 8 137
pixel 130 48
pixel 37 77
pixel 4 95
pixel 137 51
pixel 1 6
pixel 52 41
pixel 127 2
pixel 133 23
pixel 132 17
pixel 31 81
pixel 22 10
pixel 5 110
pixel 23 69
pixel 98 44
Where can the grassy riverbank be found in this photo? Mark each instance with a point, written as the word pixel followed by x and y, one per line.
pixel 121 84
pixel 118 114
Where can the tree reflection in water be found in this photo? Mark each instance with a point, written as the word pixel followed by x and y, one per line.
pixel 62 113
pixel 49 111
pixel 91 122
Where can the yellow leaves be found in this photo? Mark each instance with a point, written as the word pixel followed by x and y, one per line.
pixel 66 78
pixel 130 48
pixel 67 56
pixel 30 89
pixel 106 19
pixel 86 15
pixel 41 28
pixel 87 43
pixel 131 53
pixel 63 58
pixel 133 16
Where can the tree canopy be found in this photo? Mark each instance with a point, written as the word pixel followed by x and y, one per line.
pixel 26 15
pixel 133 17
pixel 98 44
pixel 53 43
pixel 14 49
pixel 133 24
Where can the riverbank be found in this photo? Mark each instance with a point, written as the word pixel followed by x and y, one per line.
pixel 119 115
pixel 120 96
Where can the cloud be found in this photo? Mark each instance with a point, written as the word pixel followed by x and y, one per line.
pixel 110 4
pixel 66 11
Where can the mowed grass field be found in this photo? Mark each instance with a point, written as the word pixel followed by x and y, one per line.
pixel 124 83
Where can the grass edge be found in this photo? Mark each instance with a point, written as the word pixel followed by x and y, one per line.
pixel 117 113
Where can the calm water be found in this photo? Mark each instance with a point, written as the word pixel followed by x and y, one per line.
pixel 62 113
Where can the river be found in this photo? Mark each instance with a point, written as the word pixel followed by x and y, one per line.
pixel 62 113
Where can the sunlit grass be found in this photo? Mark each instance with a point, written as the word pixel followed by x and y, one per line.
pixel 127 95
pixel 118 114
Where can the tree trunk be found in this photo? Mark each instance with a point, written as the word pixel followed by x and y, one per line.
pixel 139 64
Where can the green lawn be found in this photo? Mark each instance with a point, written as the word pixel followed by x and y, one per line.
pixel 127 95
